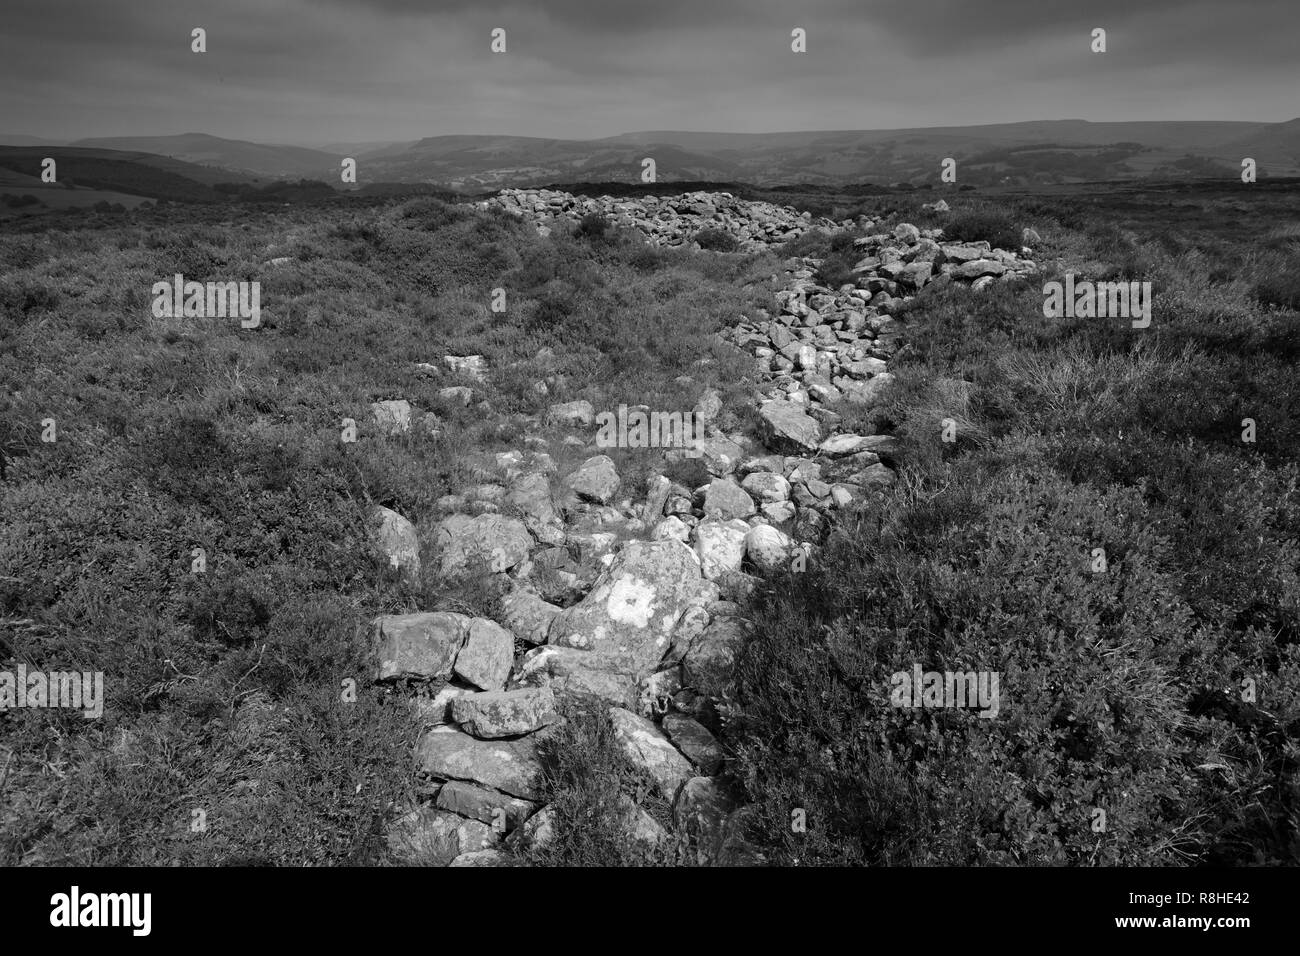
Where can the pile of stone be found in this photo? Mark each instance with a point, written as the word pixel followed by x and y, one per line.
pixel 620 604
pixel 667 220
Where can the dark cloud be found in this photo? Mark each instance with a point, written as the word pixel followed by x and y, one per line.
pixel 321 70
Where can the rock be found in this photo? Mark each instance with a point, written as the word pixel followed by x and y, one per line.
pixel 578 674
pixel 876 476
pixel 396 539
pixel 768 548
pixel 481 858
pixel 671 528
pixel 870 392
pixel 471 366
pixel 504 713
pixel 527 616
pixel 422 646
pixel 787 425
pixel 488 541
pixel 700 812
pixel 508 765
pixel 720 454
pixel 500 812
pixel 779 512
pixel 720 545
pixel 649 750
pixel 634 605
pixel 393 418
pixel 766 487
pixel 709 406
pixel 429 837
pixel 487 655
pixel 530 497
pixel 538 831
pixel 978 267
pixel 579 414
pixel 656 498
pixel 457 395
pixel 711 655
pixel 596 480
pixel 436 711
pixel 724 499
pixel 694 740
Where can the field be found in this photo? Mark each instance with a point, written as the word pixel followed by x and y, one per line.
pixel 1163 692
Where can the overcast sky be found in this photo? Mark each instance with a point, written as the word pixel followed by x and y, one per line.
pixel 318 71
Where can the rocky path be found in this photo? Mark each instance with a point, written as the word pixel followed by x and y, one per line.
pixel 638 627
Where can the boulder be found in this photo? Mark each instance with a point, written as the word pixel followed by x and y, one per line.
pixel 510 713
pixel 511 766
pixel 788 426
pixel 720 546
pixel 650 751
pixel 396 538
pixel 489 541
pixel 596 480
pixel 421 646
pixel 486 656
pixel 634 605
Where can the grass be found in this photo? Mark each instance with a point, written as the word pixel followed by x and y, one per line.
pixel 1124 688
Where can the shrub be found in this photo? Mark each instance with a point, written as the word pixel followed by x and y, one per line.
pixel 992 225
pixel 592 226
pixel 716 240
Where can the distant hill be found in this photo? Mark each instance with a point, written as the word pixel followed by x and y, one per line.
pixel 138 174
pixel 254 159
pixel 14 139
pixel 1040 151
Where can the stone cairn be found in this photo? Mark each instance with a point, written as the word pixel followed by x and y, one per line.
pixel 620 603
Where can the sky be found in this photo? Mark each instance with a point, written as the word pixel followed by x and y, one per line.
pixel 313 72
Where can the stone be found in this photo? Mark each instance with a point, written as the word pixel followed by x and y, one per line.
pixel 486 656
pixel 787 425
pixel 766 486
pixel 396 538
pixel 498 810
pixel 457 395
pixel 694 740
pixel 436 711
pixel 700 812
pixel 671 528
pixel 422 645
pixel 393 418
pixel 634 605
pixel 768 548
pixel 430 837
pixel 580 675
pixel 579 414
pixel 511 766
pixel 649 750
pixel 724 499
pixel 596 480
pixel 481 858
pixel 471 366
pixel 720 546
pixel 778 512
pixel 504 713
pixel 488 541
pixel 530 498
pixel 527 616
pixel 870 392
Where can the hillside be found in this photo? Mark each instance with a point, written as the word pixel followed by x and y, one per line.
pixel 375 582
pixel 251 159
